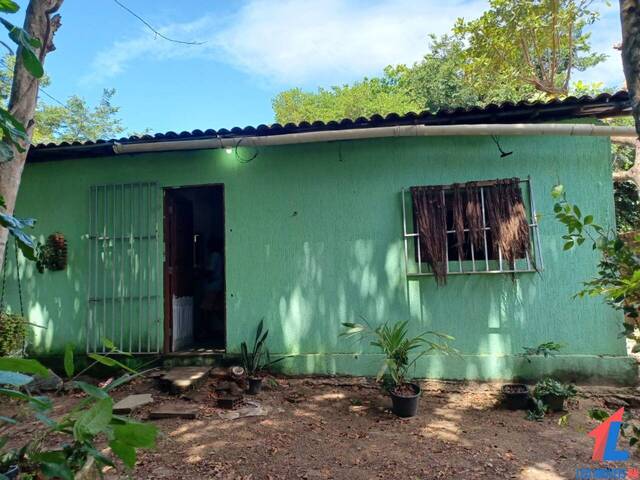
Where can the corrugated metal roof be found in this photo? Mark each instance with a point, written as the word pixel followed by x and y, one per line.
pixel 600 106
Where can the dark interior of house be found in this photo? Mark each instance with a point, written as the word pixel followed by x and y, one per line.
pixel 199 218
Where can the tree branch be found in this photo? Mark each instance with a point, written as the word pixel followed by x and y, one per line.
pixel 633 174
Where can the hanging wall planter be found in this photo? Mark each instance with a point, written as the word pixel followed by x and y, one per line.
pixel 53 255
pixel 13 333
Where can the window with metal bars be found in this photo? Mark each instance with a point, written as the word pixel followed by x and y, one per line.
pixel 471 228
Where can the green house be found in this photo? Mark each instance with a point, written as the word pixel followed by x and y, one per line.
pixel 181 243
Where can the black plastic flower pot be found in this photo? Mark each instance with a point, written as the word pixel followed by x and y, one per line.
pixel 405 405
pixel 255 385
pixel 515 396
pixel 12 472
pixel 554 403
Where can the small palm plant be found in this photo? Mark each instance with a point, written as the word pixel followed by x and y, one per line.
pixel 395 343
pixel 257 359
pixel 252 360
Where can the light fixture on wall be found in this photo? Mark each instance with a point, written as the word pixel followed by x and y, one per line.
pixel 228 150
pixel 502 152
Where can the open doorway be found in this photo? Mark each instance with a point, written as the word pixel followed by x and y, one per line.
pixel 194 279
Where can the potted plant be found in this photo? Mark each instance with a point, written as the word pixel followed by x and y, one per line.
pixel 13 333
pixel 257 359
pixel 396 345
pixel 515 396
pixel 553 393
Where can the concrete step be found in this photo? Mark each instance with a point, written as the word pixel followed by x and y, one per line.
pixel 193 360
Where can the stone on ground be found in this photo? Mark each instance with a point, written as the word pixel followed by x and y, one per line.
pixel 131 402
pixel 44 384
pixel 252 409
pixel 180 379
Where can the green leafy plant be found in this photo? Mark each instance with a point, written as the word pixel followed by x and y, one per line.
pixel 91 420
pixel 547 349
pixel 13 332
pixel 544 388
pixel 397 346
pixel 258 358
pixel 551 386
pixel 17 227
pixel 539 410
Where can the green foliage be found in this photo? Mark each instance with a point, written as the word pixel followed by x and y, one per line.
pixel 381 95
pixel 548 386
pixel 547 349
pixel 395 343
pixel 16 227
pixel 538 412
pixel 618 278
pixel 551 386
pixel 74 120
pixel 258 358
pixel 77 121
pixel 90 421
pixel 482 62
pixel 9 6
pixel 626 197
pixel 627 204
pixel 14 135
pixel 69 367
pixel 529 44
pixel 23 365
pixel 598 414
pixel 13 332
pixel 437 81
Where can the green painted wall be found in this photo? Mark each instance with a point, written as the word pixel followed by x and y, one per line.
pixel 313 237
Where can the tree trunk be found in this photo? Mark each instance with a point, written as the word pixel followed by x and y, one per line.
pixel 630 21
pixel 40 22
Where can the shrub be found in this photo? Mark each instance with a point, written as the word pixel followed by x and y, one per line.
pixel 13 332
pixel 62 446
pixel 551 386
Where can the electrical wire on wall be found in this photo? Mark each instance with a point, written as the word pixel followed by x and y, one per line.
pixel 502 152
pixel 248 158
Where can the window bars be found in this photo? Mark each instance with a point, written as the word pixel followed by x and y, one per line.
pixel 124 273
pixel 480 262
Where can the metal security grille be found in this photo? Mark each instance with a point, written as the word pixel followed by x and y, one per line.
pixel 124 272
pixel 478 262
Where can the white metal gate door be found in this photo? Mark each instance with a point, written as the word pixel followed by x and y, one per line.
pixel 124 268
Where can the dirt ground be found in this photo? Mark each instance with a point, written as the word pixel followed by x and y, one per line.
pixel 341 428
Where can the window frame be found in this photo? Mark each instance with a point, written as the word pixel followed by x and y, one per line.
pixel 532 263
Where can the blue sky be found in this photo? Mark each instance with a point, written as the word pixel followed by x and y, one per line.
pixel 253 49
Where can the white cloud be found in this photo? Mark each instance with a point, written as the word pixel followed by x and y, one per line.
pixel 605 33
pixel 299 42
pixel 312 43
pixel 330 41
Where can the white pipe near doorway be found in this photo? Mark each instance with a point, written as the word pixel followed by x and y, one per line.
pixel 562 129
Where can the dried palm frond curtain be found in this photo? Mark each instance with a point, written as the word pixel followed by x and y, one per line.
pixel 505 216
